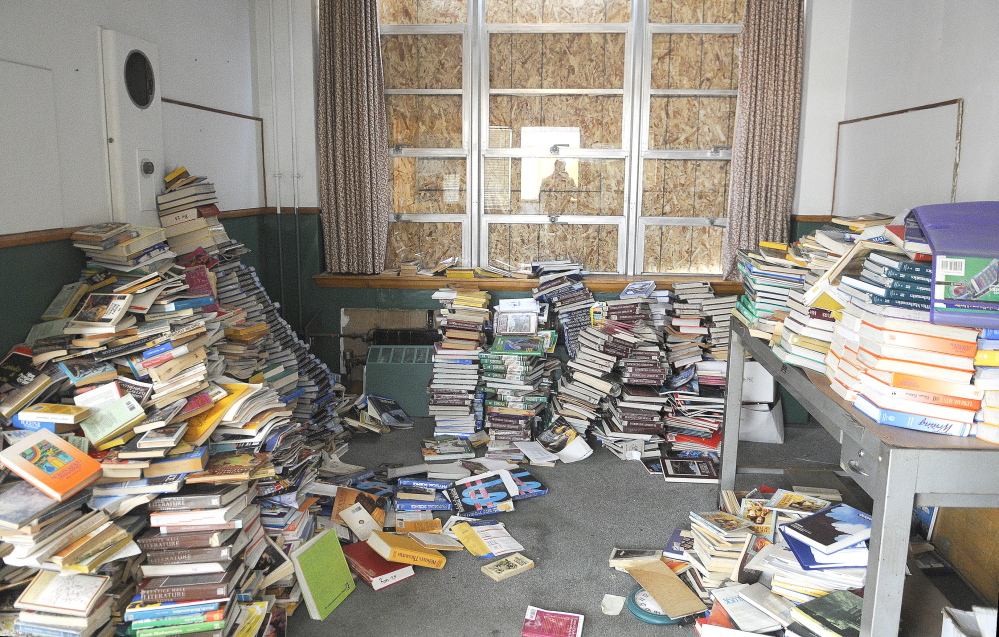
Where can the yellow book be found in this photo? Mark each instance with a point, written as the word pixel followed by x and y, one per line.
pixel 53 412
pixel 117 441
pixel 987 358
pixel 201 426
pixel 405 550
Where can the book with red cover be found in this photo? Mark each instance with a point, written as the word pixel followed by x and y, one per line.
pixel 373 568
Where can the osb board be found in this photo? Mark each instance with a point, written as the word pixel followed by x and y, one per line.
pixel 556 60
pixel 696 11
pixel 558 11
pixel 599 189
pixel 422 61
pixel 425 121
pixel 685 188
pixel 422 11
pixel 969 539
pixel 592 244
pixel 429 242
pixel 695 61
pixel 691 123
pixel 598 117
pixel 428 185
pixel 404 185
pixel 683 249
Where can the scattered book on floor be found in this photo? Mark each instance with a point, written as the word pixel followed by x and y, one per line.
pixel 549 623
pixel 323 574
pixel 507 567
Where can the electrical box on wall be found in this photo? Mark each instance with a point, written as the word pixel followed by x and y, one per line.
pixel 134 126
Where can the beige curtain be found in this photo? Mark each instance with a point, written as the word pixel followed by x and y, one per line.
pixel 765 148
pixel 354 169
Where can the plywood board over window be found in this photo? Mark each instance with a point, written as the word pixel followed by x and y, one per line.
pixel 558 11
pixel 422 11
pixel 683 249
pixel 696 11
pixel 429 242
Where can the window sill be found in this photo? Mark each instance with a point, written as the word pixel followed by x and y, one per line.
pixel 595 282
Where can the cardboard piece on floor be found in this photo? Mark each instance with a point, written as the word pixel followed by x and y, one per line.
pixel 669 591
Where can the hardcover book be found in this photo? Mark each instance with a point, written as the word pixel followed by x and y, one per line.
pixel 374 569
pixel 832 529
pixel 51 592
pixel 51 464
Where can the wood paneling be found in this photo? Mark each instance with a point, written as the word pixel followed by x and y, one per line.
pixel 969 539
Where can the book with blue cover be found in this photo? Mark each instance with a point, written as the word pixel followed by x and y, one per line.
pixel 810 559
pixel 915 422
pixel 832 529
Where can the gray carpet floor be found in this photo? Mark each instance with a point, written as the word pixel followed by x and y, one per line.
pixel 592 506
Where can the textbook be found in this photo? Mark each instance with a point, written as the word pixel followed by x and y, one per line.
pixel 51 464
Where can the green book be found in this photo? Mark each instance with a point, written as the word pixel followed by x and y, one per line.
pixel 323 574
pixel 837 613
pixel 118 417
pixel 181 629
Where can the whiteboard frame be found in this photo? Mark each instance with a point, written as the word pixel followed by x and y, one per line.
pixel 957 141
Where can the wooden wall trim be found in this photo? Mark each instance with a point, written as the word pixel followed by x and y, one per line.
pixel 812 218
pixel 596 282
pixel 36 236
pixel 59 234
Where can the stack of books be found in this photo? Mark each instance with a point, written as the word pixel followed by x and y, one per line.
pixel 54 604
pixel 909 373
pixel 768 283
pixel 455 397
pixel 569 298
pixel 516 378
pixel 717 313
pixel 188 212
pixel 893 280
pixel 132 249
pixel 986 380
pixel 804 337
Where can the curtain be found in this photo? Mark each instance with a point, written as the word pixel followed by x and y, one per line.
pixel 765 147
pixel 354 169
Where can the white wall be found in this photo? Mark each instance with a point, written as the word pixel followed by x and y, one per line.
pixel 205 57
pixel 827 34
pixel 906 53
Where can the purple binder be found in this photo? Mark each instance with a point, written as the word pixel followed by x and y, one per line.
pixel 957 231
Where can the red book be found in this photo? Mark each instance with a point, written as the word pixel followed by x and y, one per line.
pixel 373 568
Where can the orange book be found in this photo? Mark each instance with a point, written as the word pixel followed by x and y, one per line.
pixel 886 364
pixel 919 396
pixel 54 466
pixel 924 384
pixel 919 341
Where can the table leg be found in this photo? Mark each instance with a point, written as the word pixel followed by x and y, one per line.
pixel 733 410
pixel 893 501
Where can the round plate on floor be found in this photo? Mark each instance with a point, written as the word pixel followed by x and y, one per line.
pixel 642 606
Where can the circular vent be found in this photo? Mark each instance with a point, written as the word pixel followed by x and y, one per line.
pixel 139 79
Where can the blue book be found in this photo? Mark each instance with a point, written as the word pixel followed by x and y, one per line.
pixel 990 333
pixel 806 555
pixel 156 351
pixel 440 503
pixel 35 425
pixel 44 630
pixel 831 529
pixel 679 542
pixel 915 422
pixel 424 482
pixel 529 486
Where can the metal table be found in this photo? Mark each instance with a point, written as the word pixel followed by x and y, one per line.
pixel 898 468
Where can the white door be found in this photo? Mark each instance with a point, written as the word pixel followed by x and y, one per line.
pixel 134 125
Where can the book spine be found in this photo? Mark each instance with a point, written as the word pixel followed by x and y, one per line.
pixel 189 556
pixel 931 343
pixel 185 592
pixel 427 484
pixel 883 300
pixel 409 557
pixel 167 542
pixel 184 503
pixel 895 284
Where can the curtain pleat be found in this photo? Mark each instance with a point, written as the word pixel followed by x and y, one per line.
pixel 354 168
pixel 765 147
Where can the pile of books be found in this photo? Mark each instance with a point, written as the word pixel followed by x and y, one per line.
pixel 986 380
pixel 141 380
pixel 188 213
pixel 123 247
pixel 768 558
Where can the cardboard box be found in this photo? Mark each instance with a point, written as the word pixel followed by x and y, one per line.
pixel 762 423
